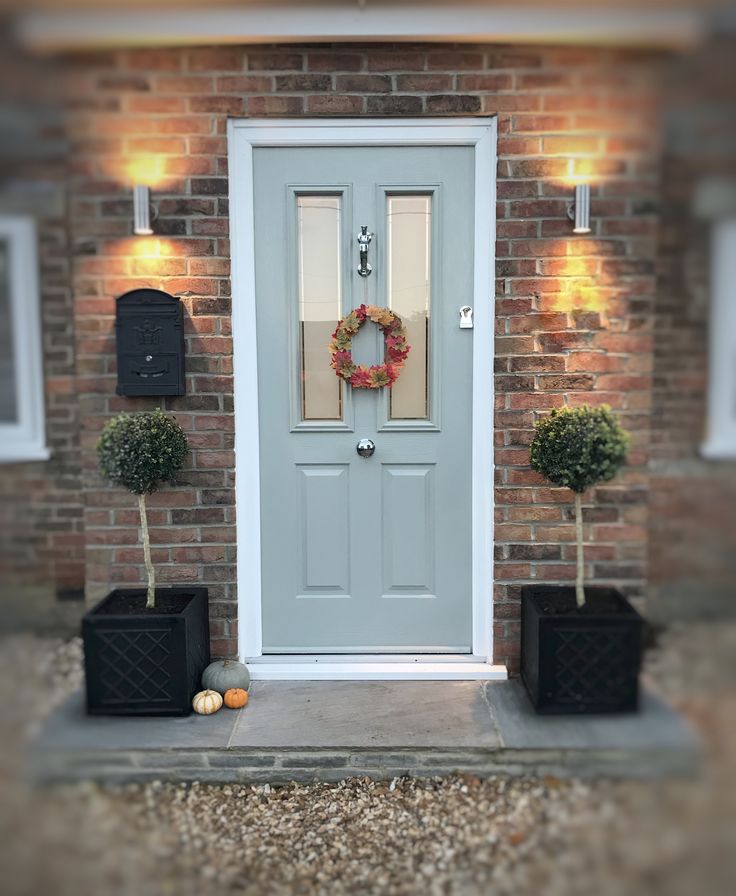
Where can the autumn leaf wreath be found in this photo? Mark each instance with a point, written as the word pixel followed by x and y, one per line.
pixel 361 376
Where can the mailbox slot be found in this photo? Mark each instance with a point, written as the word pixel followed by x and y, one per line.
pixel 149 327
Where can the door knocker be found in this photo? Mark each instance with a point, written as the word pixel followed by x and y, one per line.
pixel 364 239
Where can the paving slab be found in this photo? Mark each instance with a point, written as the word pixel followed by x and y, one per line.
pixel 366 714
pixel 69 728
pixel 655 727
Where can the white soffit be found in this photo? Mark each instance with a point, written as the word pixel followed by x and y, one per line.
pixel 355 21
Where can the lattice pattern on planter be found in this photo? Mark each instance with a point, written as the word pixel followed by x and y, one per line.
pixel 135 666
pixel 588 665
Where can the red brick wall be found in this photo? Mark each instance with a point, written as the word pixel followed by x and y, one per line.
pixel 41 526
pixel 574 314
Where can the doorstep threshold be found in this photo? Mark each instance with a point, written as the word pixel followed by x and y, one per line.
pixel 414 667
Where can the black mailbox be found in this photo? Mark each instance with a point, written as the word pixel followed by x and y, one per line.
pixel 150 340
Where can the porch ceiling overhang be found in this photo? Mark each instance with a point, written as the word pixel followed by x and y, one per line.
pixel 57 25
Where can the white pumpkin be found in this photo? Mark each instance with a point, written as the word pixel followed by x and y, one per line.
pixel 206 702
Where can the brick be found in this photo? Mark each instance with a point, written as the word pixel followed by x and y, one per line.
pixel 485 82
pixel 453 103
pixel 540 123
pixel 152 105
pixel 123 83
pixel 426 83
pixel 274 60
pixel 332 62
pixel 244 84
pixel 518 146
pixel 184 124
pixel 222 59
pixel 533 323
pixel 193 85
pixel 400 59
pixel 363 83
pixel 394 105
pixel 303 82
pixel 220 105
pixel 535 514
pixel 537 363
pixel 211 186
pixel 158 60
pixel 566 383
pixel 545 81
pixel 455 60
pixel 515 383
pixel 275 105
pixel 535 552
pixel 511 103
pixel 157 145
pixel 332 104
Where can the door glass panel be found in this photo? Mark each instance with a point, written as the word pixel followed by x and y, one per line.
pixel 8 409
pixel 409 229
pixel 319 228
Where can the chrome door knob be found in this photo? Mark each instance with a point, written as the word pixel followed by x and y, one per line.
pixel 365 447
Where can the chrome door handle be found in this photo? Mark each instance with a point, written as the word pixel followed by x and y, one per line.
pixel 365 447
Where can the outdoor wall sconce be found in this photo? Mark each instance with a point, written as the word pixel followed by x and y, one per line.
pixel 579 210
pixel 142 211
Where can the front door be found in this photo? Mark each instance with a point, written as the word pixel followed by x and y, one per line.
pixel 364 554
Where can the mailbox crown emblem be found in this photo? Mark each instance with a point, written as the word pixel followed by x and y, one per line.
pixel 148 334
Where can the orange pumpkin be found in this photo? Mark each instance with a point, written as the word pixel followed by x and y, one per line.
pixel 235 698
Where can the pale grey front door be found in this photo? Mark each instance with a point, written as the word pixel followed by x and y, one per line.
pixel 364 554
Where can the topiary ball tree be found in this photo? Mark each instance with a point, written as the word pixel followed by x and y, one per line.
pixel 140 452
pixel 578 448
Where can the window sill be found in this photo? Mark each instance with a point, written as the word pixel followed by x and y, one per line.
pixel 718 451
pixel 23 455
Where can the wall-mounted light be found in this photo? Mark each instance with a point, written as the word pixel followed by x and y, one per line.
pixel 141 211
pixel 579 210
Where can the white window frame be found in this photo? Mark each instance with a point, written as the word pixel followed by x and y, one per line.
pixel 25 439
pixel 720 441
pixel 243 136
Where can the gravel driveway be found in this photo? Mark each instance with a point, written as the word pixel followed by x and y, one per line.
pixel 439 836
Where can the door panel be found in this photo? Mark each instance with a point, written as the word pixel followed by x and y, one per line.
pixel 364 554
pixel 408 511
pixel 323 543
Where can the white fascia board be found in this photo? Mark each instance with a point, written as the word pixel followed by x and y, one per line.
pixel 351 22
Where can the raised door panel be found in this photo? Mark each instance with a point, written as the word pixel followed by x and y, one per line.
pixel 408 544
pixel 323 531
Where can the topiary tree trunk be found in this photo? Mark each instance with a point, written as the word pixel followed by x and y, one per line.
pixel 151 593
pixel 580 576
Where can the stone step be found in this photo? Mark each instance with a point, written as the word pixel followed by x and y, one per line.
pixel 326 731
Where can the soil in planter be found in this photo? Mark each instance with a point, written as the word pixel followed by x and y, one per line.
pixel 133 603
pixel 598 601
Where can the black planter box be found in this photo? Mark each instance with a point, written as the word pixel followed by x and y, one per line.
pixel 149 662
pixel 580 661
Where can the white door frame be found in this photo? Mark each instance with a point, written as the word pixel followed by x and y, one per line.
pixel 243 136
